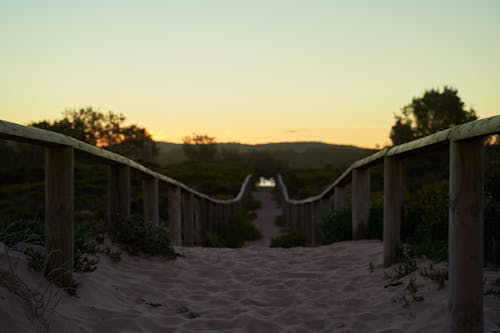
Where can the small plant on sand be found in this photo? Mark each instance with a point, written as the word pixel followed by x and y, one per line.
pixel 336 227
pixel 370 267
pixel 440 277
pixel 137 236
pixel 291 239
pixel 494 291
pixel 233 233
pixel 280 221
pixel 252 203
pixel 407 299
pixel 406 263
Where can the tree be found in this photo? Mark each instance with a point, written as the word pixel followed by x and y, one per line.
pixel 434 111
pixel 101 129
pixel 199 147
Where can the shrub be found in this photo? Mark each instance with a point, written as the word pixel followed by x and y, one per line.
pixel 426 221
pixel 280 222
pixel 291 239
pixel 137 236
pixel 336 227
pixel 233 233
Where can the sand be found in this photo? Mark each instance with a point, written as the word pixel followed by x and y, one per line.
pixel 252 289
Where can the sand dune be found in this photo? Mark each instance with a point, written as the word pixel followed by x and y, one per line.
pixel 321 289
pixel 253 289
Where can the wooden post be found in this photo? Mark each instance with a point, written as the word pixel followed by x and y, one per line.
pixel 285 207
pixel 294 217
pixel 174 215
pixel 118 193
pixel 188 219
pixel 59 191
pixel 466 236
pixel 219 212
pixel 325 207
pixel 209 217
pixel 300 218
pixel 393 206
pixel 200 220
pixel 360 202
pixel 150 199
pixel 339 198
pixel 315 220
pixel 307 218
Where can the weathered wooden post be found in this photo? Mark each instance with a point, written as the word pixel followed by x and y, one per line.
pixel 315 220
pixel 325 207
pixel 219 212
pixel 188 218
pixel 150 199
pixel 200 221
pixel 339 198
pixel 118 193
pixel 360 202
pixel 307 213
pixel 300 218
pixel 466 236
pixel 294 216
pixel 393 206
pixel 174 215
pixel 59 191
pixel 209 214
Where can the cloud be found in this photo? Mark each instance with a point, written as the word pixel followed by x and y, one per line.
pixel 294 131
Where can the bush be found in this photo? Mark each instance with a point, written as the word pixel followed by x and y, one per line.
pixel 425 225
pixel 336 227
pixel 280 222
pixel 137 236
pixel 233 233
pixel 291 239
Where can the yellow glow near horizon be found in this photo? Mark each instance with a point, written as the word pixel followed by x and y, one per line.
pixel 250 72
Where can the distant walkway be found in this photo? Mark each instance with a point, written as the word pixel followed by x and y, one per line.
pixel 266 216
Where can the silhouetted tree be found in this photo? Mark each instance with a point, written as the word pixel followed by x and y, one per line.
pixel 434 111
pixel 102 129
pixel 199 147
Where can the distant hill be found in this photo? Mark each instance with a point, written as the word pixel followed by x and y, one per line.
pixel 297 155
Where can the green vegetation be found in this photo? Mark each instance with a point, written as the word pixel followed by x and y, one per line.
pixel 336 227
pixel 136 236
pixel 432 112
pixel 280 222
pixel 233 233
pixel 293 238
pixel 440 277
pixel 217 179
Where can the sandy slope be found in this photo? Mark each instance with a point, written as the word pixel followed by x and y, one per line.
pixel 266 216
pixel 253 289
pixel 322 289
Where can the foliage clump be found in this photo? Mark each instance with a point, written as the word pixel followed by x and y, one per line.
pixel 435 111
pixel 137 236
pixel 293 238
pixel 233 233
pixel 336 227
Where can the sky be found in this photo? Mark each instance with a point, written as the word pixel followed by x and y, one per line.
pixel 247 71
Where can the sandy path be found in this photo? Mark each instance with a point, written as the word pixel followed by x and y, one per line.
pixel 321 289
pixel 266 216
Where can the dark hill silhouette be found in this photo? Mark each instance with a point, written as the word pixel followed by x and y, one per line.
pixel 298 155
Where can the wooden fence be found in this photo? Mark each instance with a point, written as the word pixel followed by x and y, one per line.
pixel 191 214
pixel 466 180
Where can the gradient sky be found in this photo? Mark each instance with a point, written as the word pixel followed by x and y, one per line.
pixel 249 71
